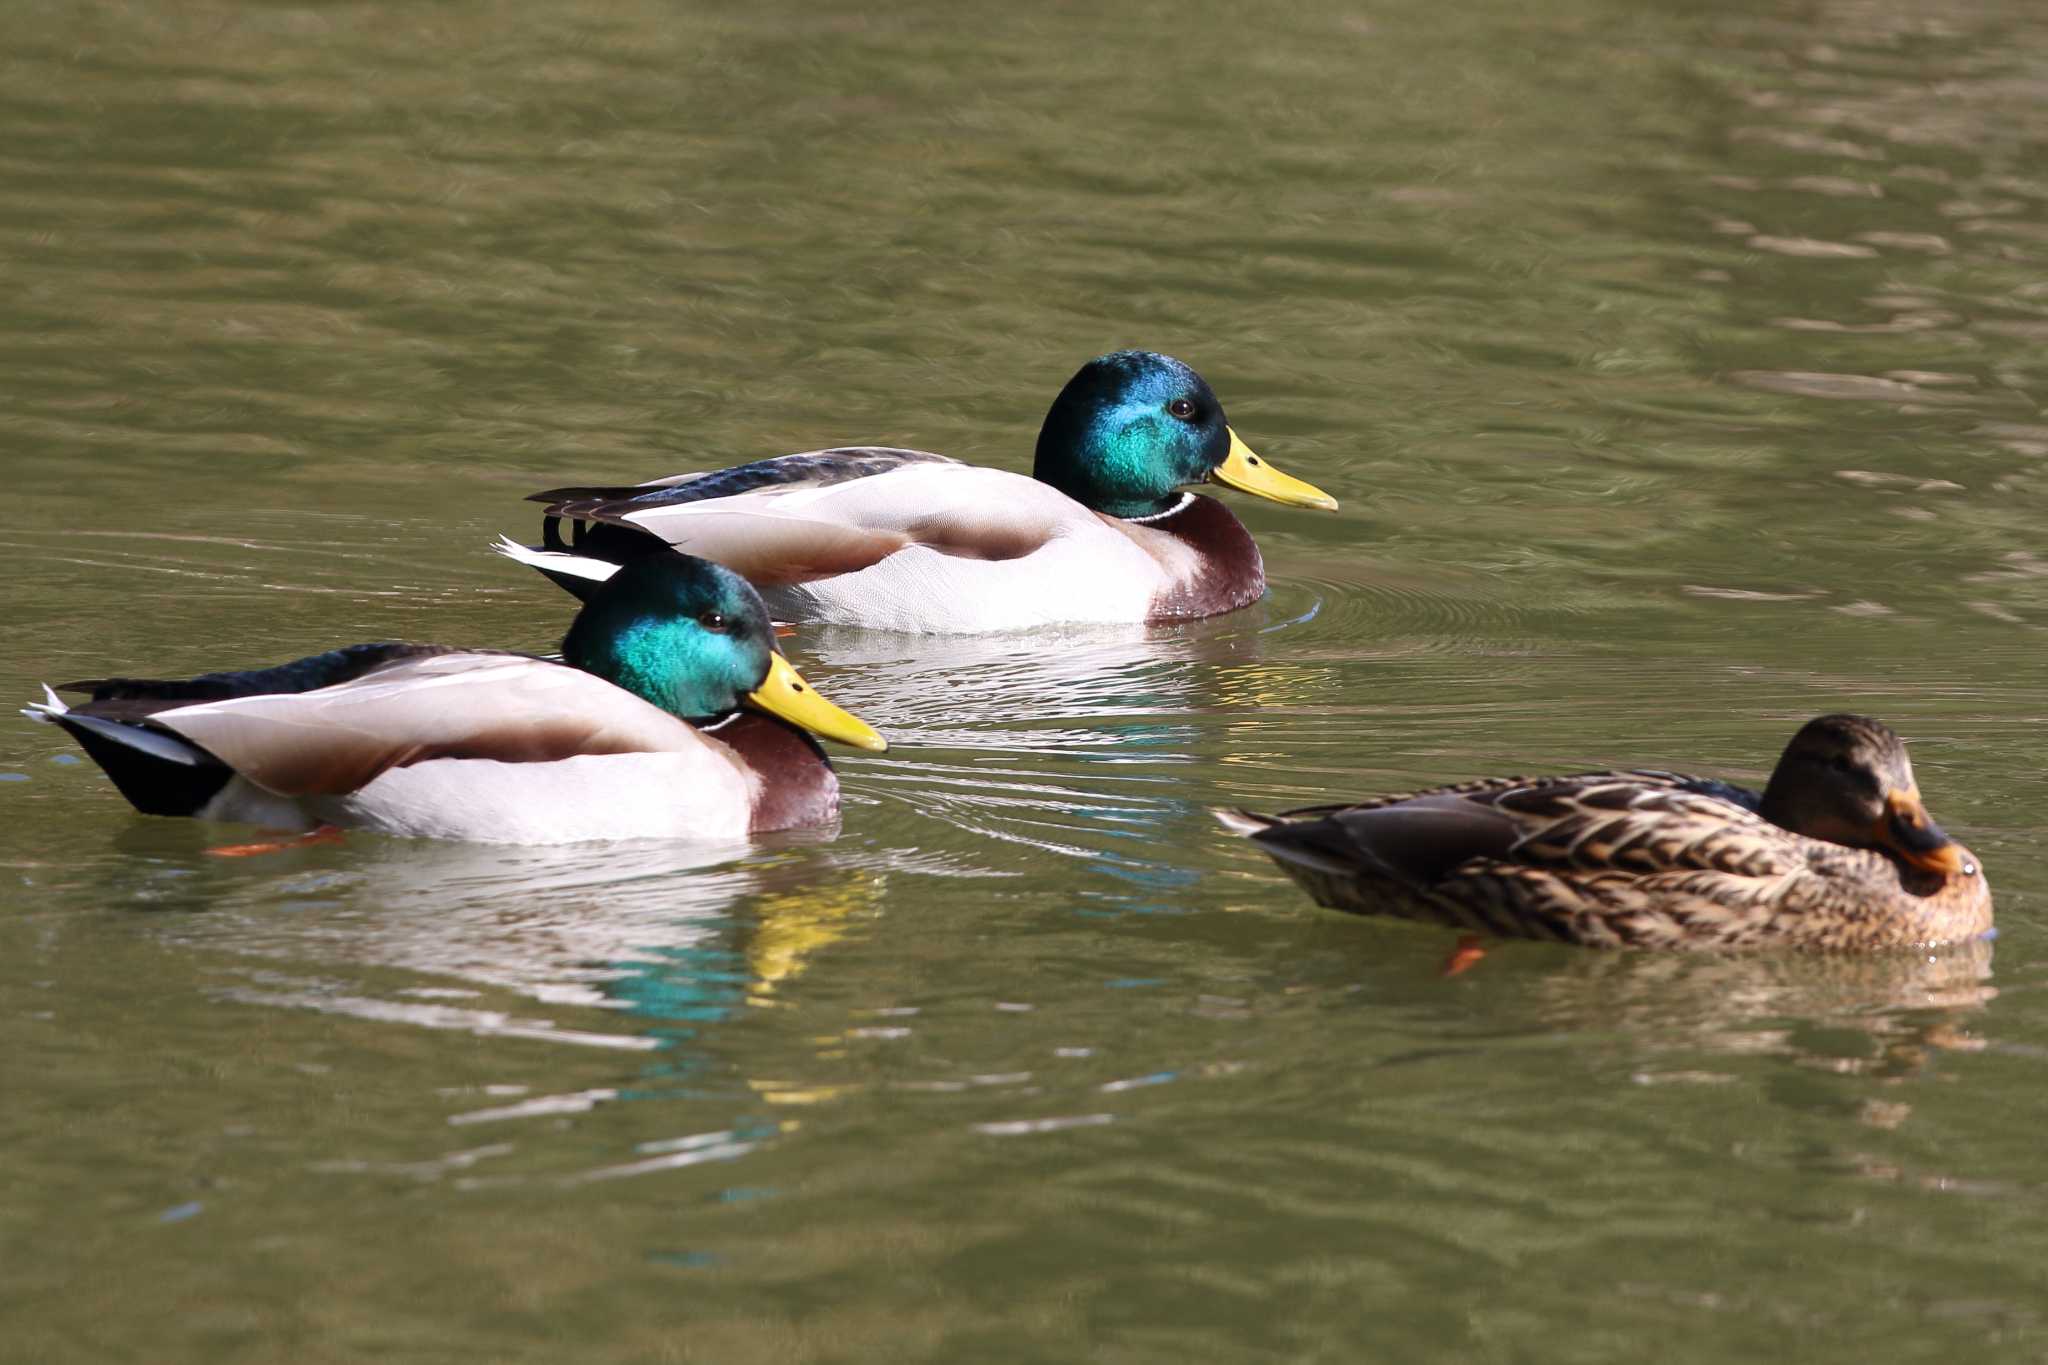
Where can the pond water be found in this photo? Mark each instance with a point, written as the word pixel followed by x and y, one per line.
pixel 1679 369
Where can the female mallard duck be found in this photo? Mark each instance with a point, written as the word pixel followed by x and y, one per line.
pixel 661 721
pixel 906 540
pixel 1836 853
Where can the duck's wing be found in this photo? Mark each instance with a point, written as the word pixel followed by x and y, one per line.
pixel 1632 823
pixel 1413 842
pixel 1646 825
pixel 128 699
pixel 510 708
pixel 1479 787
pixel 811 469
pixel 799 518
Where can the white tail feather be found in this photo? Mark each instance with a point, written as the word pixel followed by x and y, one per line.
pixel 155 743
pixel 1241 823
pixel 555 561
pixel 50 705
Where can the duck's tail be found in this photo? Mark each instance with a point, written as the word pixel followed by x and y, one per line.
pixel 1243 823
pixel 576 574
pixel 48 709
pixel 159 772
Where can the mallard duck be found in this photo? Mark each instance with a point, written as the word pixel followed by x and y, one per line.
pixel 911 541
pixel 670 715
pixel 1838 852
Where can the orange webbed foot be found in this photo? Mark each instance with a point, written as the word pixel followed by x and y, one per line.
pixel 325 834
pixel 1465 956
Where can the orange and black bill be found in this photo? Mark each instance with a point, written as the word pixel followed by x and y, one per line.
pixel 1909 831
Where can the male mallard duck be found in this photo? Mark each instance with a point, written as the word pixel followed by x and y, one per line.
pixel 907 540
pixel 1836 853
pixel 661 721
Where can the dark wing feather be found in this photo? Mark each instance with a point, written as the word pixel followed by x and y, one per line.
pixel 1479 786
pixel 129 699
pixel 1647 777
pixel 1744 797
pixel 812 469
pixel 1415 842
pixel 1644 822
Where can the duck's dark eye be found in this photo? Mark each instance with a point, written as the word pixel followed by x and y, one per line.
pixel 715 620
pixel 1183 408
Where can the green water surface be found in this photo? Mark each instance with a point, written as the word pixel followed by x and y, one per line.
pixel 1679 368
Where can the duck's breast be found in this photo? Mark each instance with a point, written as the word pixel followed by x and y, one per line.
pixel 794 785
pixel 1208 563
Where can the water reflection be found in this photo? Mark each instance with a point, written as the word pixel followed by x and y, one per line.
pixel 1100 745
pixel 1079 743
pixel 1080 688
pixel 1774 1003
pixel 651 948
pixel 1680 371
pixel 667 936
pixel 1892 241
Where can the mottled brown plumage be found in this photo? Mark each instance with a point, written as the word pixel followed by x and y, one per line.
pixel 1837 853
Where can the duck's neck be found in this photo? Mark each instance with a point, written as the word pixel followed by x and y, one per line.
pixel 798 786
pixel 1218 566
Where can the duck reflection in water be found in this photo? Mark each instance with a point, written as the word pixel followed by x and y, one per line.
pixel 1907 1004
pixel 661 932
pixel 1121 728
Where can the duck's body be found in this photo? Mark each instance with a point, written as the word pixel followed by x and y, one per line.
pixel 427 741
pixel 909 540
pixel 1651 859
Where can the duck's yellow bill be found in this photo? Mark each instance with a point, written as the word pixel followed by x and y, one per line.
pixel 1245 471
pixel 784 693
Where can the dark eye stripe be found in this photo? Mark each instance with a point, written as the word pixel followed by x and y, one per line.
pixel 1857 776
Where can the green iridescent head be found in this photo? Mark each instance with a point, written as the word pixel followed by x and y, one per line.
pixel 694 638
pixel 1128 431
pixel 1134 427
pixel 683 633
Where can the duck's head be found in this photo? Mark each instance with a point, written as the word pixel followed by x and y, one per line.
pixel 694 638
pixel 1135 426
pixel 1847 779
